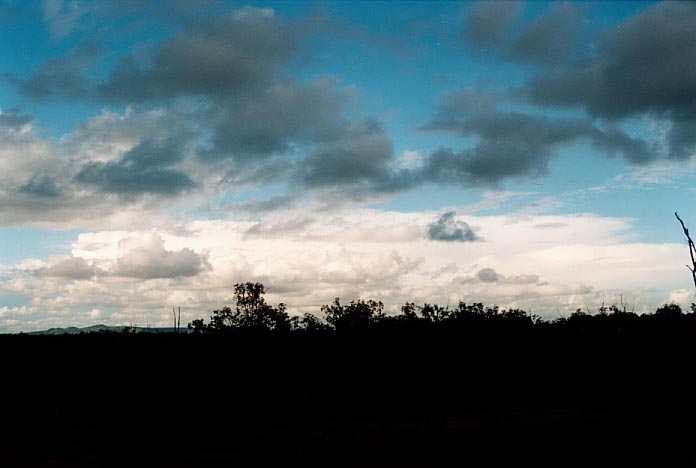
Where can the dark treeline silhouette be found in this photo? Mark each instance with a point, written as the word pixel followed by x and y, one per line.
pixel 253 314
pixel 467 385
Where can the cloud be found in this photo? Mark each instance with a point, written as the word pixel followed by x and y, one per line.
pixel 279 117
pixel 143 169
pixel 360 253
pixel 62 17
pixel 488 275
pixel 261 206
pixel 41 186
pixel 449 229
pixel 681 296
pixel 14 120
pixel 360 156
pixel 146 258
pixel 645 65
pixel 517 145
pixel 37 176
pixel 214 58
pixel 283 227
pixel 243 124
pixel 488 24
pixel 64 77
pixel 75 268
pixel 553 37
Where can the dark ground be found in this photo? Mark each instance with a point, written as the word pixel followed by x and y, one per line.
pixel 371 399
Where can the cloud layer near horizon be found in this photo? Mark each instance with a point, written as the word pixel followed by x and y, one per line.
pixel 523 262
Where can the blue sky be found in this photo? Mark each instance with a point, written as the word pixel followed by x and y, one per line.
pixel 155 155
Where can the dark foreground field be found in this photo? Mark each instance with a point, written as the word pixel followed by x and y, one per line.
pixel 548 396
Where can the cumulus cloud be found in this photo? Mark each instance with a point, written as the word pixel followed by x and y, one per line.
pixel 558 261
pixel 219 57
pixel 361 154
pixel 146 258
pixel 284 114
pixel 644 66
pixel 489 275
pixel 448 228
pixel 144 169
pixel 36 179
pixel 247 123
pixel 228 114
pixel 76 268
pixel 515 145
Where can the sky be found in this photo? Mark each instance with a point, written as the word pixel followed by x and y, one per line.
pixel 531 155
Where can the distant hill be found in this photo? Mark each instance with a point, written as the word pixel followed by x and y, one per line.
pixel 104 328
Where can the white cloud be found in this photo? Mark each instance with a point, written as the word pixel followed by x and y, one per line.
pixel 539 263
pixel 681 296
pixel 145 257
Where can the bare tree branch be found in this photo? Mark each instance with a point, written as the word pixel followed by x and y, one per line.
pixel 692 249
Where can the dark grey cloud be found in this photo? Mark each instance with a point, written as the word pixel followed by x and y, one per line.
pixel 184 263
pixel 644 66
pixel 41 186
pixel 145 169
pixel 76 268
pixel 488 275
pixel 214 55
pixel 489 24
pixel 463 102
pixel 614 141
pixel 682 135
pixel 551 38
pixel 448 228
pixel 215 58
pixel 517 145
pixel 360 155
pixel 65 77
pixel 268 204
pixel 486 165
pixel 278 118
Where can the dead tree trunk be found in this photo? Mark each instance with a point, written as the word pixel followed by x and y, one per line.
pixel 692 249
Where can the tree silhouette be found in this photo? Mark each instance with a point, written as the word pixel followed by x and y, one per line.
pixel 251 312
pixel 669 311
pixel 358 314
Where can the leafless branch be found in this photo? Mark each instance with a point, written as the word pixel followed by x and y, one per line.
pixel 692 249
